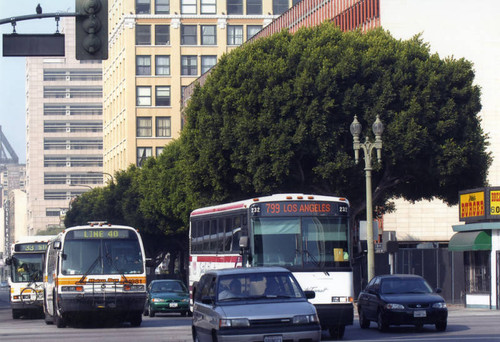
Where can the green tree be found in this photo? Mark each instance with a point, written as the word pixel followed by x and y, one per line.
pixel 274 116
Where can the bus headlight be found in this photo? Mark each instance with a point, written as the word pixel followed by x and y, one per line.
pixel 72 288
pixel 304 319
pixel 129 287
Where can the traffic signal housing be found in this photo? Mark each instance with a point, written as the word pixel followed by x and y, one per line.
pixel 91 29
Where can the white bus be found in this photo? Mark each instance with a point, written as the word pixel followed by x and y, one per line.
pixel 308 234
pixel 96 270
pixel 26 262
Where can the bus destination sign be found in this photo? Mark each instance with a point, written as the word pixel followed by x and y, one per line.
pixel 299 208
pixel 31 247
pixel 101 234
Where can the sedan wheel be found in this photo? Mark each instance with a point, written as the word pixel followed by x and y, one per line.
pixel 381 323
pixel 363 322
pixel 441 326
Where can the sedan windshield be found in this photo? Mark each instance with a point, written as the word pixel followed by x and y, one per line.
pixel 168 286
pixel 398 285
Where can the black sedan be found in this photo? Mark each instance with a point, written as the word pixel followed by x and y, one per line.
pixel 401 299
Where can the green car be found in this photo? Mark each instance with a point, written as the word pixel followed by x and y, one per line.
pixel 165 296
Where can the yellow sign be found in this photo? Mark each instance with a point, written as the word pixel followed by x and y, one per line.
pixel 472 204
pixel 495 202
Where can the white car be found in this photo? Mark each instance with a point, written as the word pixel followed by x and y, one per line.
pixel 253 304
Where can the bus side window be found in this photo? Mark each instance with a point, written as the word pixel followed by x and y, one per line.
pixel 236 230
pixel 206 236
pixel 220 235
pixel 213 236
pixel 228 234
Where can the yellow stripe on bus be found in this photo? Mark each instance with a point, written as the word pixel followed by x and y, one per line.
pixel 120 280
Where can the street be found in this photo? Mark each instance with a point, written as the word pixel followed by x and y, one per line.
pixel 463 325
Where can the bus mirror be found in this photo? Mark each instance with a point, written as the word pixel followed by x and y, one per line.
pixel 244 242
pixel 8 261
pixel 57 244
pixel 149 262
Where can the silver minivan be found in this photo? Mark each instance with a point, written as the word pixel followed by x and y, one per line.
pixel 253 304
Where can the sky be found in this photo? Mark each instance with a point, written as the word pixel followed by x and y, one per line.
pixel 12 69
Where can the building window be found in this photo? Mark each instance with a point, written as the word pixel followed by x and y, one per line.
pixel 207 62
pixel 162 65
pixel 143 153
pixel 234 34
pixel 189 66
pixel 52 212
pixel 188 6
pixel 254 6
pixel 208 35
pixel 143 96
pixel 144 127
pixel 143 65
pixel 163 127
pixel 142 6
pixel 252 30
pixel 280 6
pixel 234 6
pixel 162 96
pixel 159 150
pixel 295 2
pixel 188 35
pixel 477 270
pixel 162 35
pixel 143 35
pixel 162 6
pixel 208 6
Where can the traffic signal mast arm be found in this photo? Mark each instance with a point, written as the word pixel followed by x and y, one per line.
pixel 13 20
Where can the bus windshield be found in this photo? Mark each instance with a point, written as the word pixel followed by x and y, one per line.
pixel 102 256
pixel 27 267
pixel 301 242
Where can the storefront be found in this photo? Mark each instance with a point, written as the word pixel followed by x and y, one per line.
pixel 479 240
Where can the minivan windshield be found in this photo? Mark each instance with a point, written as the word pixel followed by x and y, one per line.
pixel 257 286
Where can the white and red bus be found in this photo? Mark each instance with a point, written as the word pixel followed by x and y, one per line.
pixel 93 271
pixel 307 234
pixel 26 263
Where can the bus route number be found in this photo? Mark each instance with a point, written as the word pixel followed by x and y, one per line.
pixel 255 209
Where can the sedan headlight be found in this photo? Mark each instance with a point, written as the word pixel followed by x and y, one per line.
pixel 394 306
pixel 304 319
pixel 441 305
pixel 157 300
pixel 235 322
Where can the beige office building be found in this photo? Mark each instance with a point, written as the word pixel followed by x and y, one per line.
pixel 156 48
pixel 63 132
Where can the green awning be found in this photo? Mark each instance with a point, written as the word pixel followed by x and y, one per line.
pixel 478 240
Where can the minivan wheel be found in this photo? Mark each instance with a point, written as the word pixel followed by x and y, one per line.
pixel 195 335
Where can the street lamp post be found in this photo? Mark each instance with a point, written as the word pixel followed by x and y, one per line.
pixel 368 147
pixel 103 173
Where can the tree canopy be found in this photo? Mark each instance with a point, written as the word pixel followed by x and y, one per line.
pixel 274 116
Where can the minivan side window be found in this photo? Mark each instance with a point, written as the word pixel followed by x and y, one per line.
pixel 206 287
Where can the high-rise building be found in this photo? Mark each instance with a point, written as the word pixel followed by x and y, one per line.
pixel 158 47
pixel 63 133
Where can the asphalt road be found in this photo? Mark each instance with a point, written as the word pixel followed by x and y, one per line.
pixel 463 325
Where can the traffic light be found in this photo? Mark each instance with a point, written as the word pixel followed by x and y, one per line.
pixel 91 29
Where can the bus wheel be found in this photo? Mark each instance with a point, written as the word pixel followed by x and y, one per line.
pixel 58 319
pixel 16 314
pixel 48 319
pixel 136 319
pixel 337 332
